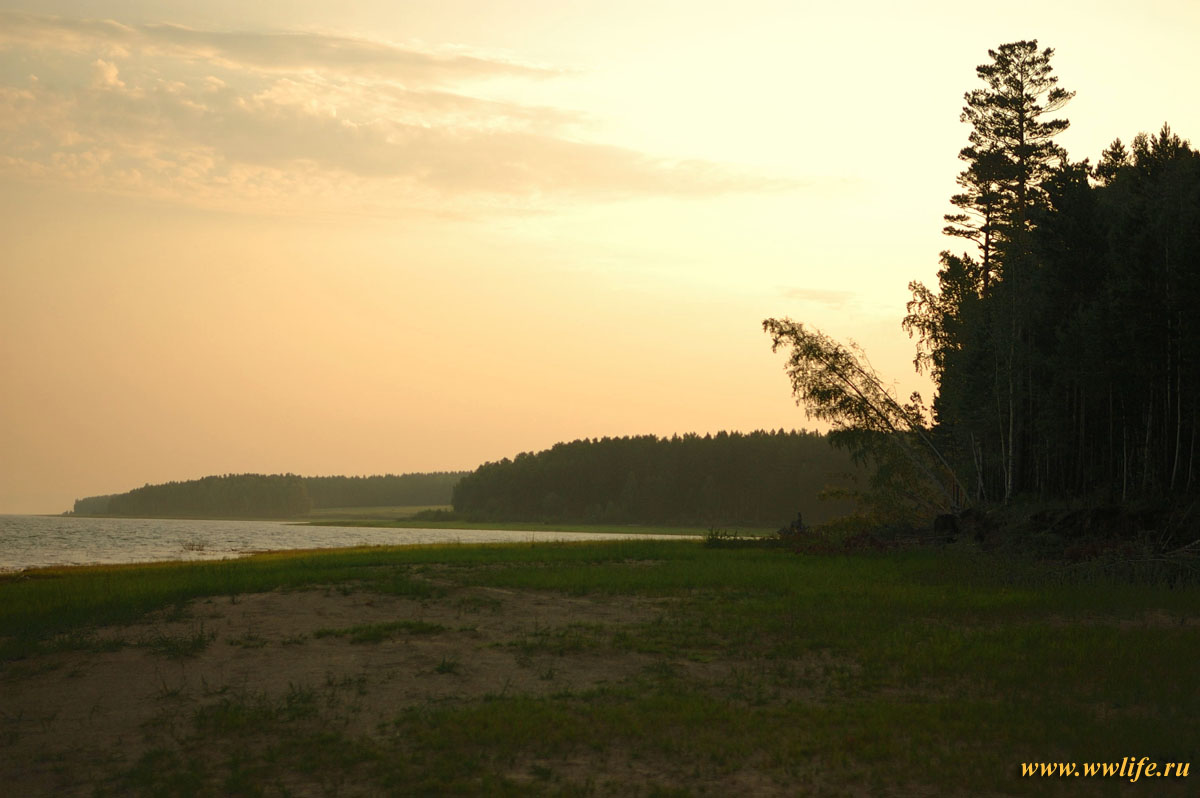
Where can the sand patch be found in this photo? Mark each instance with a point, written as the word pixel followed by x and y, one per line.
pixel 70 718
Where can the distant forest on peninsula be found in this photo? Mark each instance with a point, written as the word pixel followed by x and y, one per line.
pixel 270 496
pixel 731 478
pixel 760 478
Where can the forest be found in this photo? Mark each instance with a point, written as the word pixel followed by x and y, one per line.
pixel 731 478
pixel 1064 340
pixel 755 479
pixel 271 496
pixel 1065 343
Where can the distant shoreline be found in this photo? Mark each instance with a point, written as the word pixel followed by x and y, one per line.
pixel 400 523
pixel 536 526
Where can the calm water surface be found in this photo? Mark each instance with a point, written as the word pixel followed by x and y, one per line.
pixel 32 541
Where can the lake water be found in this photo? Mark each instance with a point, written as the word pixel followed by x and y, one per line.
pixel 32 541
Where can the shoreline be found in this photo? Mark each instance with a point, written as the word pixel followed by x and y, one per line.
pixel 351 522
pixel 31 542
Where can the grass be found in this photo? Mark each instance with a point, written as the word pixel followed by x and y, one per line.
pixel 447 665
pixel 570 639
pixel 401 517
pixel 40 604
pixel 378 632
pixel 179 646
pixel 351 519
pixel 388 513
pixel 248 640
pixel 921 671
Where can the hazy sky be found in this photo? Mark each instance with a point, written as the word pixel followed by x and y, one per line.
pixel 369 237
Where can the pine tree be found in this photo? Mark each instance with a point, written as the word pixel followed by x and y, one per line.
pixel 981 208
pixel 1010 155
pixel 1112 161
pixel 1011 146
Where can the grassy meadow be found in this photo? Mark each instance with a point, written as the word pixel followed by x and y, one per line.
pixel 610 668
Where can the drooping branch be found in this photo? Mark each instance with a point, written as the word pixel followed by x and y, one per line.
pixel 832 383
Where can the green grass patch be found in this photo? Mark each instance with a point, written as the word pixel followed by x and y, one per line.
pixel 869 590
pixel 530 526
pixel 41 604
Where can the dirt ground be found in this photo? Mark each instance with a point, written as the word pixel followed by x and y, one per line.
pixel 68 719
pixel 93 712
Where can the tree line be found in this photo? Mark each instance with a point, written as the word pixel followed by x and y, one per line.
pixel 1064 342
pixel 271 496
pixel 731 478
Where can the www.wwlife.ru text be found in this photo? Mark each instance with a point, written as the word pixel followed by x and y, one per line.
pixel 1132 768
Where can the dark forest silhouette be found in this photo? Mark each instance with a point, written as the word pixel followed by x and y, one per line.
pixel 755 479
pixel 271 496
pixel 1065 345
pixel 1066 348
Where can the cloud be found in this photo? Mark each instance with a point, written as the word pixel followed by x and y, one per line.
pixel 283 51
pixel 290 117
pixel 106 75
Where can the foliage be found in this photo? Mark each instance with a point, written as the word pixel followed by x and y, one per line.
pixel 1011 156
pixel 1011 151
pixel 838 385
pixel 755 479
pixel 382 490
pixel 1066 350
pixel 233 495
pixel 274 496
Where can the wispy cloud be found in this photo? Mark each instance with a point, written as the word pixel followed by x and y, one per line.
pixel 211 115
pixel 282 51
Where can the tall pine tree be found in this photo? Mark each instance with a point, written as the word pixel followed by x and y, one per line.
pixel 1010 154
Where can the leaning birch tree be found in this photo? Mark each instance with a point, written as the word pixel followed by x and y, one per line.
pixel 837 384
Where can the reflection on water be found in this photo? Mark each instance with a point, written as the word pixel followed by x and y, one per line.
pixel 31 541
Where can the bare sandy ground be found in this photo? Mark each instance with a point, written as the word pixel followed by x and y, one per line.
pixel 69 720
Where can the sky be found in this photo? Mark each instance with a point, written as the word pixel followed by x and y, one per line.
pixel 385 236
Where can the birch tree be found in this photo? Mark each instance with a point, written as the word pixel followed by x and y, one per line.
pixel 837 384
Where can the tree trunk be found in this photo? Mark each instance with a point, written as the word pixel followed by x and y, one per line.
pixel 1146 464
